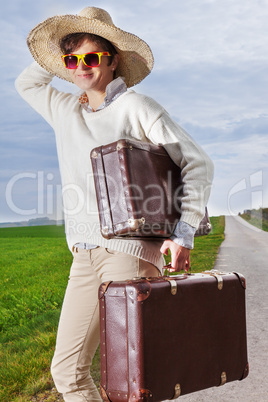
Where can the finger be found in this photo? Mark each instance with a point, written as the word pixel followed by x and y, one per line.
pixel 187 265
pixel 171 268
pixel 183 265
pixel 164 248
pixel 174 264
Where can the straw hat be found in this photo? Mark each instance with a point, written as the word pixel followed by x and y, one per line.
pixel 136 58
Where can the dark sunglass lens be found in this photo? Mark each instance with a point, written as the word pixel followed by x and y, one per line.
pixel 92 60
pixel 71 61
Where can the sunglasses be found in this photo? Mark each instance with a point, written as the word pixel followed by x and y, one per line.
pixel 92 59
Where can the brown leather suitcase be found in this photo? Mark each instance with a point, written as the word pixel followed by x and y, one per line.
pixel 138 189
pixel 166 337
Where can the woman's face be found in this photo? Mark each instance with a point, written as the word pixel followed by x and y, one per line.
pixel 93 78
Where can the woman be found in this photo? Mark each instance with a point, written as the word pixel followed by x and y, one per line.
pixel 103 61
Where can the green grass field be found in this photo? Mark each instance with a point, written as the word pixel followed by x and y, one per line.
pixel 34 270
pixel 258 218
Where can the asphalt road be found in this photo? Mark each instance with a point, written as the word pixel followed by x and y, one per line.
pixel 245 250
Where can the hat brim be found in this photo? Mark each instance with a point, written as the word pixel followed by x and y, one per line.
pixel 136 58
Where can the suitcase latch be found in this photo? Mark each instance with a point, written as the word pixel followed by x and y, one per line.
pixel 136 224
pixel 223 378
pixel 173 285
pixel 177 392
pixel 218 275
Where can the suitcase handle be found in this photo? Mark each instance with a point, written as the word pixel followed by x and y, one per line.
pixel 167 273
pixel 170 277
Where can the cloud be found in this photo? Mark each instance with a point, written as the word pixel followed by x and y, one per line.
pixel 210 73
pixel 236 163
pixel 217 31
pixel 214 96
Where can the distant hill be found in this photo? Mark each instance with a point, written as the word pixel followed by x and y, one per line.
pixel 32 222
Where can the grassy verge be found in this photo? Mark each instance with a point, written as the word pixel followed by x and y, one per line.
pixel 206 248
pixel 34 270
pixel 257 218
pixel 33 275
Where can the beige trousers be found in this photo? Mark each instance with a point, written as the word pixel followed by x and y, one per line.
pixel 78 331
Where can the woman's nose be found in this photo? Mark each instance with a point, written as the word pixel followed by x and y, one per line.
pixel 82 66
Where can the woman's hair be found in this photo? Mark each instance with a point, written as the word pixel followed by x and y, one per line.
pixel 72 41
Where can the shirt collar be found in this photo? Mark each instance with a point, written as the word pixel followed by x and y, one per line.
pixel 113 90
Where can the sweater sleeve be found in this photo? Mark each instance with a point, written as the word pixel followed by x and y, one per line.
pixel 196 167
pixel 33 85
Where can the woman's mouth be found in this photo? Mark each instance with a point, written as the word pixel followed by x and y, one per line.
pixel 84 76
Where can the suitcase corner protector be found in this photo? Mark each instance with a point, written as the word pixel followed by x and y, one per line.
pixel 105 232
pixel 242 279
pixel 93 154
pixel 104 394
pixel 141 292
pixel 141 395
pixel 245 372
pixel 103 288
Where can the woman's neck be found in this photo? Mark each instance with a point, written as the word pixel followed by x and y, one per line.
pixel 95 99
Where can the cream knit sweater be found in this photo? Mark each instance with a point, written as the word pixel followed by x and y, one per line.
pixel 77 132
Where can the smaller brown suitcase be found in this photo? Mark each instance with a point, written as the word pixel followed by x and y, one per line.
pixel 138 189
pixel 165 337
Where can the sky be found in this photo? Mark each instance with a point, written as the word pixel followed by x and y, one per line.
pixel 210 74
